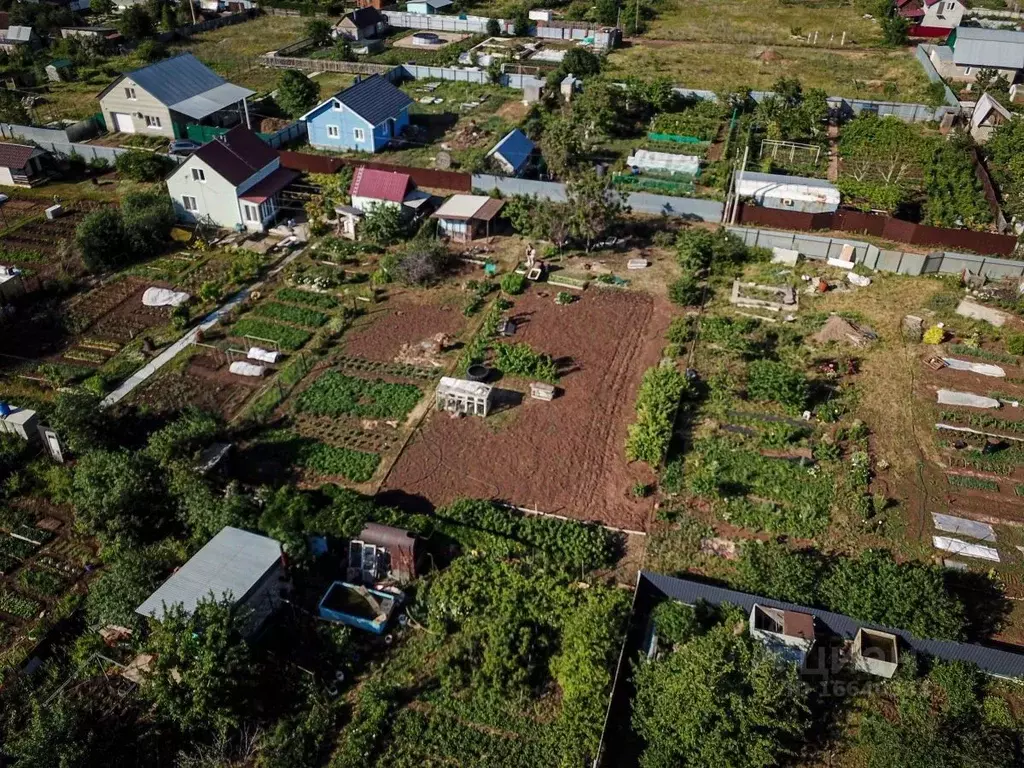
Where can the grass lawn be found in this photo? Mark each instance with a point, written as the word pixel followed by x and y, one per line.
pixel 332 82
pixel 762 21
pixel 883 75
pixel 231 51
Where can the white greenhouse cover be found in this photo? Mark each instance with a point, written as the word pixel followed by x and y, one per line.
pixel 646 160
pixel 949 397
pixel 246 369
pixel 964 527
pixel 263 355
pixel 985 369
pixel 163 297
pixel 958 547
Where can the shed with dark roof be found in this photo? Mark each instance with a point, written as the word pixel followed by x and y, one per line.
pixel 21 165
pixel 361 24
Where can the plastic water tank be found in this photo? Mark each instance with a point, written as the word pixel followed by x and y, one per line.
pixel 5 410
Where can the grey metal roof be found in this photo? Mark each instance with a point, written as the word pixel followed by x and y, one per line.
pixel 18 34
pixel 176 79
pixel 778 178
pixel 374 99
pixel 994 661
pixel 208 102
pixel 232 562
pixel 979 47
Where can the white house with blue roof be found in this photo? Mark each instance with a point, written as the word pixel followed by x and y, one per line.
pixel 162 98
pixel 364 117
pixel 514 153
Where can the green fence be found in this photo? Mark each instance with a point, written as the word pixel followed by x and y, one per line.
pixel 206 133
pixel 671 137
pixel 647 184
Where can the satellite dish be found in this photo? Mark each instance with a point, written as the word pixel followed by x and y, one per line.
pixel 443 161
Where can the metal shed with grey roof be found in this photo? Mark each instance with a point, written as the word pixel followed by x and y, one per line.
pixel 980 47
pixel 243 566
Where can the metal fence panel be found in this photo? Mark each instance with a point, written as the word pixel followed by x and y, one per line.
pixel 664 205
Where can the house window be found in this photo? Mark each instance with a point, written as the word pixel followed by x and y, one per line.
pixel 189 202
pixel 251 214
pixel 333 131
pixel 359 134
pixel 337 106
pixel 198 174
pixel 129 93
pixel 152 121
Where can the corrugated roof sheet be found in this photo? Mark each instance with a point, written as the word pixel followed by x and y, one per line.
pixel 986 104
pixel 380 185
pixel 213 100
pixel 374 99
pixel 176 79
pixel 233 562
pixel 979 47
pixel 516 148
pixel 18 34
pixel 461 207
pixel 270 186
pixel 236 155
pixel 994 661
pixel 15 155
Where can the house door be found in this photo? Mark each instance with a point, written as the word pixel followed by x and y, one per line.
pixel 123 122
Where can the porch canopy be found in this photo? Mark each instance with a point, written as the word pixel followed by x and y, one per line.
pixel 263 190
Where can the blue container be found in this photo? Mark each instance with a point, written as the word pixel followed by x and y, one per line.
pixel 5 410
pixel 343 603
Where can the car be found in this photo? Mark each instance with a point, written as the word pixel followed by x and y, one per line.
pixel 182 147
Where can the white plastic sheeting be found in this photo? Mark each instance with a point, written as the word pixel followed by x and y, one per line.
pixel 975 311
pixel 646 160
pixel 966 399
pixel 163 297
pixel 964 527
pixel 786 256
pixel 985 369
pixel 263 355
pixel 246 369
pixel 958 547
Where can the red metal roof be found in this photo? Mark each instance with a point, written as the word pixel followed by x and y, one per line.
pixel 380 185
pixel 15 155
pixel 270 186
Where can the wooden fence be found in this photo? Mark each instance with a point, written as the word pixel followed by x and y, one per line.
pixel 886 227
pixel 423 177
pixel 327 65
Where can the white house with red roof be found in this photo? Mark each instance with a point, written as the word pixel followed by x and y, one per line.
pixel 931 18
pixel 234 182
pixel 372 187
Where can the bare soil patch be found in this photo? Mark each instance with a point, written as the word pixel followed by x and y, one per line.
pixel 380 335
pixel 563 457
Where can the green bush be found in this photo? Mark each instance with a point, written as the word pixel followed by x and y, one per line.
pixel 649 436
pixel 1015 344
pixel 138 165
pixel 686 291
pixel 522 360
pixel 356 466
pixel 513 284
pixel 772 380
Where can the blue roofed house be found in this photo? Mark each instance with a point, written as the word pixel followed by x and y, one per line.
pixel 364 117
pixel 514 153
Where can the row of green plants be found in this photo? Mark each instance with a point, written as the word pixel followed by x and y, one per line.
pixel 310 298
pixel 972 483
pixel 289 314
pixel 42 582
pixel 330 460
pixel 287 337
pixel 983 354
pixel 336 394
pixel 981 421
pixel 19 605
pixel 657 402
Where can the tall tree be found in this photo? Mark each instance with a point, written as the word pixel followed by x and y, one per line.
pixel 594 207
pixel 296 93
pixel 201 666
pixel 563 146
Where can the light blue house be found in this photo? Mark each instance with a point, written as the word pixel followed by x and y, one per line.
pixel 364 117
pixel 426 6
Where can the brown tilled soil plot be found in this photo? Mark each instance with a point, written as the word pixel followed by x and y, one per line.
pixel 205 384
pixel 380 334
pixel 566 456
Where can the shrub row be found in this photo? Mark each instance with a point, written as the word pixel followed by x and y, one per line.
pixel 649 436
